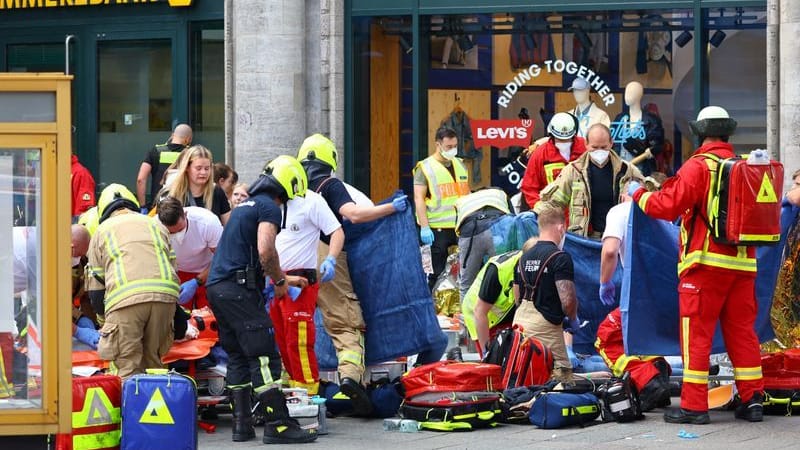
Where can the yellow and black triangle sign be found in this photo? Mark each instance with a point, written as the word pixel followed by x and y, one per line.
pixel 156 412
pixel 766 193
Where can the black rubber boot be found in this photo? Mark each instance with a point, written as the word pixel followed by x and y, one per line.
pixel 680 415
pixel 653 393
pixel 362 405
pixel 279 428
pixel 242 415
pixel 753 410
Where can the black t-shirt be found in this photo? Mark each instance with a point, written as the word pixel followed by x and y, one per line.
pixel 160 157
pixel 335 194
pixel 601 185
pixel 238 245
pixel 560 267
pixel 219 206
pixel 491 289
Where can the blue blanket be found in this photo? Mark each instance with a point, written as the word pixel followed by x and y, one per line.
pixel 386 270
pixel 649 301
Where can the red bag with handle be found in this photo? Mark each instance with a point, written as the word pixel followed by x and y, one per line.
pixel 452 376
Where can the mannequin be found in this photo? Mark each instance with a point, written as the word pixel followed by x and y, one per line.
pixel 637 131
pixel 585 110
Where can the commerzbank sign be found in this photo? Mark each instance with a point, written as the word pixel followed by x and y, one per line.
pixel 41 4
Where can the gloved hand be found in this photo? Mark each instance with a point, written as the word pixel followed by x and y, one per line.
pixel 573 358
pixel 607 293
pixel 268 292
pixel 85 322
pixel 327 269
pixel 573 325
pixel 144 210
pixel 633 186
pixel 294 292
pixel 426 235
pixel 188 289
pixel 88 336
pixel 400 203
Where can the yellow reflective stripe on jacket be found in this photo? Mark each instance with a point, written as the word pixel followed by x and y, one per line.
pixel 444 190
pixel 643 201
pixel 116 255
pixel 717 260
pixel 108 439
pixel 747 373
pixel 551 169
pixel 164 265
pixel 140 287
pixel 166 157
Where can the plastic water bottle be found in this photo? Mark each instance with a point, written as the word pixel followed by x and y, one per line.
pixel 409 426
pixel 391 424
pixel 323 410
pixel 427 259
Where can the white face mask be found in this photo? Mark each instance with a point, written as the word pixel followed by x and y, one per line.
pixel 177 238
pixel 599 156
pixel 449 154
pixel 564 148
pixel 76 260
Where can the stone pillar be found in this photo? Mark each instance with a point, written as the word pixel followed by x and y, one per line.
pixel 332 69
pixel 789 85
pixel 269 106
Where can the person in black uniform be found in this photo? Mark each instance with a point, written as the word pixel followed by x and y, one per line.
pixel 245 255
pixel 157 161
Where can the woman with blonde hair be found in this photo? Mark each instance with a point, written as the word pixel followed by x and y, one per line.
pixel 239 194
pixel 194 184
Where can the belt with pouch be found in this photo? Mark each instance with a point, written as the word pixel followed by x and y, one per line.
pixel 308 274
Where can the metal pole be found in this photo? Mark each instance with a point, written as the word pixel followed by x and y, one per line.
pixel 773 79
pixel 66 52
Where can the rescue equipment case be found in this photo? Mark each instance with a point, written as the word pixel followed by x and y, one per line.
pixel 781 371
pixel 159 411
pixel 95 414
pixel 451 376
pixel 745 201
pixel 556 409
pixel 524 361
pixel 453 411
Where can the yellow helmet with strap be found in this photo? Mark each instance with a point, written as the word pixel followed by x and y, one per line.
pixel 318 147
pixel 114 197
pixel 89 219
pixel 289 174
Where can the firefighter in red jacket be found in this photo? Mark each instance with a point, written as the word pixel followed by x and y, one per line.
pixel 549 158
pixel 82 188
pixel 716 281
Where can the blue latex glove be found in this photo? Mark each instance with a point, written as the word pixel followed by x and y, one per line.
pixel 426 235
pixel 85 322
pixel 144 210
pixel 400 203
pixel 268 292
pixel 294 292
pixel 573 358
pixel 573 325
pixel 188 289
pixel 785 202
pixel 327 269
pixel 633 186
pixel 88 336
pixel 607 293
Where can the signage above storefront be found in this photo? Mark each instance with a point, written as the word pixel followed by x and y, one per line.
pixel 555 66
pixel 37 4
pixel 502 133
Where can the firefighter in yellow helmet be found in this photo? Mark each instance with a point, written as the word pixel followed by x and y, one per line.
pixel 131 280
pixel 245 255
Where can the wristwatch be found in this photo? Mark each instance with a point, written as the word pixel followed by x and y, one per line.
pixel 280 282
pixel 199 281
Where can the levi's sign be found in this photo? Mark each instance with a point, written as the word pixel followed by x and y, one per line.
pixel 502 133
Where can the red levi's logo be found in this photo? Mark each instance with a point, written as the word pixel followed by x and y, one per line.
pixel 502 133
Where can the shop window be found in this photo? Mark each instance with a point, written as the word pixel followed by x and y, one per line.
pixel 207 91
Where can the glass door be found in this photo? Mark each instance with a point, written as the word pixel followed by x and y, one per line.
pixel 134 104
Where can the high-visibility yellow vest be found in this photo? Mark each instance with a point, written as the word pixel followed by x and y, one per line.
pixel 469 204
pixel 505 265
pixel 443 191
pixel 165 155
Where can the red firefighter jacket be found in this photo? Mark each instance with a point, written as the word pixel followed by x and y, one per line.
pixel 544 166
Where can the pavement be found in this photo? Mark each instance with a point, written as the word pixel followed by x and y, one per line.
pixel 724 432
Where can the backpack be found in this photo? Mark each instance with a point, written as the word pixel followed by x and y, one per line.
pixel 524 361
pixel 745 206
pixel 453 411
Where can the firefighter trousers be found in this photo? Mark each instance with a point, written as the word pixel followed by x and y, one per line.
pixel 246 334
pixel 641 368
pixel 295 335
pixel 706 296
pixel 342 317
